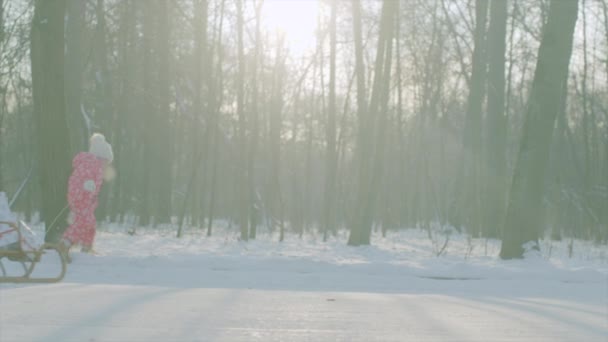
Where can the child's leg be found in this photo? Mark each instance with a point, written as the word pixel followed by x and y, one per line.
pixel 73 234
pixel 88 233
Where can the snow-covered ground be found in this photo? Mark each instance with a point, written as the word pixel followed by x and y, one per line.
pixel 151 286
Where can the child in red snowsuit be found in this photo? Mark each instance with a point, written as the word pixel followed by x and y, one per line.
pixel 83 188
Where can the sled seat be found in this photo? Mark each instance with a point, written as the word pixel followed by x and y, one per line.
pixel 28 259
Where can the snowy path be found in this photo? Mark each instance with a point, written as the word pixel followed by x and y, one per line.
pixel 155 288
pixel 144 313
pixel 423 310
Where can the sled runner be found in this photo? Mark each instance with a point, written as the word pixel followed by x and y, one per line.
pixel 25 253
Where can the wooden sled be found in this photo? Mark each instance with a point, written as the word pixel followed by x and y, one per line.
pixel 28 260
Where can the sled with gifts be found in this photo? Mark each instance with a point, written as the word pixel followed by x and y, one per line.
pixel 18 245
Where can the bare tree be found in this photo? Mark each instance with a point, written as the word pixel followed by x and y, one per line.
pixel 276 197
pixel 372 131
pixel 1 20
pixel 150 113
pixel 496 122
pixel 470 202
pixel 255 120
pixel 241 170
pixel 47 61
pixel 74 60
pixel 163 164
pixel 216 84
pixel 125 106
pixel 524 206
pixel 331 153
pixel 197 99
pixel 2 91
pixel 200 108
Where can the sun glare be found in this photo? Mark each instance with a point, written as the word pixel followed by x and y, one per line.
pixel 296 19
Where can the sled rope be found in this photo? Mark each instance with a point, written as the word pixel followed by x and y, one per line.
pixel 55 219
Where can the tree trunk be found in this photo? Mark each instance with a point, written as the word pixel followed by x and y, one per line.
pixel 163 140
pixel 210 111
pixel 253 145
pixel 1 20
pixel 216 98
pixel 523 215
pixel 402 170
pixel 355 234
pixel 195 191
pixel 496 124
pixel 193 198
pixel 276 198
pixel 149 115
pixel 74 66
pixel 103 112
pixel 360 66
pixel 104 109
pixel 469 191
pixel 2 92
pixel 331 153
pixel 241 172
pixel 47 61
pixel 371 129
pixel 125 106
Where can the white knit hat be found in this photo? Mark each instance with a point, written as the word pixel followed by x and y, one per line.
pixel 100 147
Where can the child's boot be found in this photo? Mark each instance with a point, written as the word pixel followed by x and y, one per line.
pixel 87 249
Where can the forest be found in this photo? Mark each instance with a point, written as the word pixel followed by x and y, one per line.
pixel 489 116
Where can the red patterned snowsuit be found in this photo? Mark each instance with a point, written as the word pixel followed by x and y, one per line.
pixel 86 166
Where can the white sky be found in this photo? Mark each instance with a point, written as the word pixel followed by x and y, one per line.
pixel 296 19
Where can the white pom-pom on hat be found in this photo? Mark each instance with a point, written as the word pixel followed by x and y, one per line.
pixel 100 147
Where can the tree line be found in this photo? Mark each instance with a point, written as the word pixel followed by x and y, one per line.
pixel 490 116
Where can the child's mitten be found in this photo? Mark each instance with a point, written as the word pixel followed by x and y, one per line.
pixel 89 185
